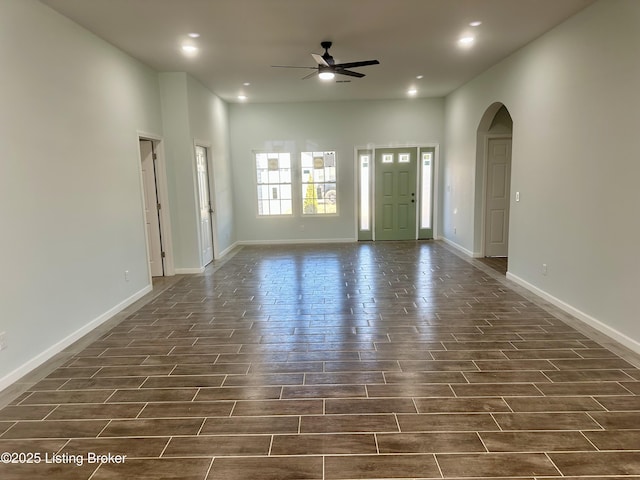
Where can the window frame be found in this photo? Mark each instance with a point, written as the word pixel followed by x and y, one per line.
pixel 329 178
pixel 270 156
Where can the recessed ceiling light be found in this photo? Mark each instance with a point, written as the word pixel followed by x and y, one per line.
pixel 190 50
pixel 477 23
pixel 194 35
pixel 242 98
pixel 466 41
pixel 412 92
pixel 246 84
pixel 326 75
pixel 419 77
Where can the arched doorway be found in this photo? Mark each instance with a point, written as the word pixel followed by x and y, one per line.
pixel 493 183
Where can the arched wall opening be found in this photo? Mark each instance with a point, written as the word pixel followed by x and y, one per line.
pixel 493 182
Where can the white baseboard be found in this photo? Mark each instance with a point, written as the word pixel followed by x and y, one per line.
pixel 297 241
pixel 56 348
pixel 580 315
pixel 227 250
pixel 458 247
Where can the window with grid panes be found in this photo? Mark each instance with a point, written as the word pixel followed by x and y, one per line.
pixel 273 172
pixel 319 185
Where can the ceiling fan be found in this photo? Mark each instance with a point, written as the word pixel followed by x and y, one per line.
pixel 327 68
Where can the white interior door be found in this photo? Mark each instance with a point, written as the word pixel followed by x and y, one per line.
pixel 206 241
pixel 152 219
pixel 496 225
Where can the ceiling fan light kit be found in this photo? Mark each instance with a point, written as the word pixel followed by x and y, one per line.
pixel 326 75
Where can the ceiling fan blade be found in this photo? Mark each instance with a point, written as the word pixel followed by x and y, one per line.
pixel 326 64
pixel 319 59
pixel 357 64
pixel 342 71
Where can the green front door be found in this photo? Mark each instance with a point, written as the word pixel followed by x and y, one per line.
pixel 395 193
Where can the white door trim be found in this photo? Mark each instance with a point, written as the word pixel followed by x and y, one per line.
pixel 152 212
pixel 163 199
pixel 436 182
pixel 485 172
pixel 212 195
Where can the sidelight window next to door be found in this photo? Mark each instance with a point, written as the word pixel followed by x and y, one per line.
pixel 395 193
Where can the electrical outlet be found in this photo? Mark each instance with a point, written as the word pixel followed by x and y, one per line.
pixel 126 275
pixel 544 269
pixel 3 340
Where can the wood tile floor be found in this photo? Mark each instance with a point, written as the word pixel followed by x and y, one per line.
pixel 350 361
pixel 499 264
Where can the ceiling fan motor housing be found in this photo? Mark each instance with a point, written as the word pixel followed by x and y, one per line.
pixel 327 57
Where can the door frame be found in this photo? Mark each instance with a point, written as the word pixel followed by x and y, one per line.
pixel 371 148
pixel 212 198
pixel 152 207
pixel 485 181
pixel 163 199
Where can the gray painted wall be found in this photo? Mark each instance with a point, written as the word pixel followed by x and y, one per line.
pixel 339 126
pixel 209 123
pixel 72 109
pixel 573 97
pixel 180 161
pixel 191 114
pixel 70 187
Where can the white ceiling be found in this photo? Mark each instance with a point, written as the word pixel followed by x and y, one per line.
pixel 241 39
